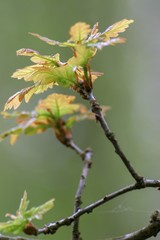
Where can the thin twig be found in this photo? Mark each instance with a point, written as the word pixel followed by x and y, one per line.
pixel 78 196
pixel 73 146
pixel 51 228
pixel 2 237
pixel 86 157
pixel 96 109
pixel 146 232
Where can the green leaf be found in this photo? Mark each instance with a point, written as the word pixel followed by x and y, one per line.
pixel 15 226
pixel 47 114
pixel 82 55
pixel 28 124
pixel 13 133
pixel 23 217
pixel 64 76
pixel 38 212
pixel 23 204
pixel 58 104
pixel 49 70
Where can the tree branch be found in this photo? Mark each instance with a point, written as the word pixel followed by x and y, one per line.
pixel 51 228
pixel 78 196
pixel 2 237
pixel 146 232
pixel 86 157
pixel 96 109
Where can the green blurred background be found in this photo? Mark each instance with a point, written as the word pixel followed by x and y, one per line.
pixel 130 85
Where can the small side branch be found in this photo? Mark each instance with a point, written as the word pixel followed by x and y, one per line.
pixel 96 109
pixel 86 158
pixel 81 186
pixel 2 237
pixel 51 228
pixel 146 232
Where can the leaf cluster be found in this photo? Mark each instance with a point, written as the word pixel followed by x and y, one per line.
pixel 48 71
pixel 57 111
pixel 23 218
pixel 48 113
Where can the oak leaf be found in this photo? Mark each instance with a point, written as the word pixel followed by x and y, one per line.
pixel 118 27
pixel 79 32
pixel 49 113
pixel 58 104
pixel 26 93
pixel 49 70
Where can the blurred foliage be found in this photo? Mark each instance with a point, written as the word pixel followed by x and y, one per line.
pixel 130 85
pixel 22 221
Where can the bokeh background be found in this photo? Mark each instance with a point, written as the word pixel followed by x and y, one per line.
pixel 130 85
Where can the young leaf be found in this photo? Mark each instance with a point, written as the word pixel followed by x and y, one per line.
pixel 82 55
pixel 38 212
pixel 23 204
pixel 75 73
pixel 28 124
pixel 45 116
pixel 13 133
pixel 118 27
pixel 58 104
pixel 79 32
pixel 26 52
pixel 23 217
pixel 48 114
pixel 26 93
pixel 45 39
pixel 52 42
pixel 36 57
pixel 108 37
pixel 113 41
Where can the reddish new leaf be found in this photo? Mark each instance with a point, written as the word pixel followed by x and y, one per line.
pixel 26 93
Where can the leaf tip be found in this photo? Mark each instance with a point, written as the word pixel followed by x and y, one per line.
pixel 26 52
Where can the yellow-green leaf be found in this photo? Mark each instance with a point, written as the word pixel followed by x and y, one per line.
pixel 118 27
pixel 58 104
pixel 79 31
pixel 26 52
pixel 109 36
pixel 49 60
pixel 23 217
pixel 26 93
pixel 13 133
pixel 45 39
pixel 36 57
pixel 36 73
pixel 52 42
pixel 82 55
